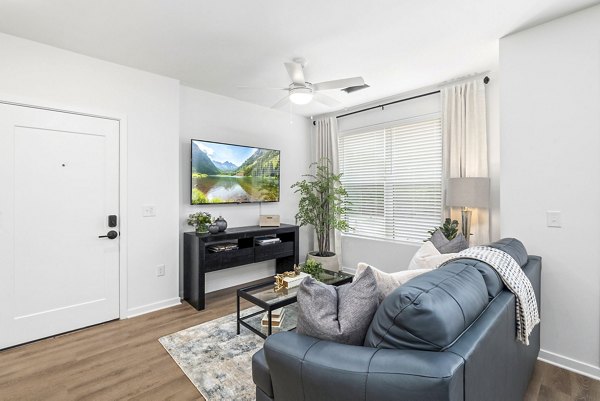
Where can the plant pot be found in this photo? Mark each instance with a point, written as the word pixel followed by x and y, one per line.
pixel 202 228
pixel 330 263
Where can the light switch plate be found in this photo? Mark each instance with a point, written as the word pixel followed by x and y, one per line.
pixel 160 270
pixel 553 219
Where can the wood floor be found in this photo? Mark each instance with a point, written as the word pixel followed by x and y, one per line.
pixel 122 360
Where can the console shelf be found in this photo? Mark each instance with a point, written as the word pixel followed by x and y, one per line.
pixel 198 260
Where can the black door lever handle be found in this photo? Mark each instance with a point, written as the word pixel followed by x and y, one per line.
pixel 112 234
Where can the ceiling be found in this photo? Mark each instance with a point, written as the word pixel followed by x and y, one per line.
pixel 396 45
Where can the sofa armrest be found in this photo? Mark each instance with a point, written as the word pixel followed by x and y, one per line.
pixel 305 368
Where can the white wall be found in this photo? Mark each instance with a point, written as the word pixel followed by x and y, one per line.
pixel 211 117
pixel 42 75
pixel 550 147
pixel 492 101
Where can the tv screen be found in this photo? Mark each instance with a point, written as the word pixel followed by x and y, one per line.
pixel 225 173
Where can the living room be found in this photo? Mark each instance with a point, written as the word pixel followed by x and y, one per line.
pixel 158 76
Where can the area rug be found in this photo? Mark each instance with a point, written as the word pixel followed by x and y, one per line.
pixel 217 360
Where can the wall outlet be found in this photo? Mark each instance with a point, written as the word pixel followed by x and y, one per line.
pixel 160 270
pixel 553 218
pixel 148 211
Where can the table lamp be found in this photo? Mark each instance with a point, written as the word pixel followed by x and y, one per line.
pixel 468 192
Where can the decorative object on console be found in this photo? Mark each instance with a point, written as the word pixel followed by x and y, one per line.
pixel 341 314
pixel 213 228
pixel 428 257
pixel 449 229
pixel 468 192
pixel 269 220
pixel 221 223
pixel 323 203
pixel 223 247
pixel 267 240
pixel 388 282
pixel 200 221
pixel 314 268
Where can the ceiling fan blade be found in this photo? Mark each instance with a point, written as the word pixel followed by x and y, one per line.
pixel 260 88
pixel 326 100
pixel 281 102
pixel 296 73
pixel 339 83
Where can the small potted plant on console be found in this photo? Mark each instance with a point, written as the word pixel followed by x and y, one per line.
pixel 200 221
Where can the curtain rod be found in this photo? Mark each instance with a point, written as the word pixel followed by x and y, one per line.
pixel 486 79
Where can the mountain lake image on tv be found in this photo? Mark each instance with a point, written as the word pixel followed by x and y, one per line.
pixel 224 173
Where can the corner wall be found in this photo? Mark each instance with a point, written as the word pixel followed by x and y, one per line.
pixel 550 146
pixel 211 117
pixel 41 75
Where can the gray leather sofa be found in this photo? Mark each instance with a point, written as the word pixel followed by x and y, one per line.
pixel 484 362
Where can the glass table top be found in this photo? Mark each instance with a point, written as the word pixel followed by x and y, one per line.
pixel 267 293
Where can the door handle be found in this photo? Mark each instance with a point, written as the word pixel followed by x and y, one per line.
pixel 112 234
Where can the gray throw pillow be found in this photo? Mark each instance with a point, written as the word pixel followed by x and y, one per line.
pixel 341 314
pixel 457 244
pixel 438 239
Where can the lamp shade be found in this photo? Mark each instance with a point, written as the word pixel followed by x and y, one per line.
pixel 468 192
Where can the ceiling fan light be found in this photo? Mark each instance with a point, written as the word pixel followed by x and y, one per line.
pixel 301 95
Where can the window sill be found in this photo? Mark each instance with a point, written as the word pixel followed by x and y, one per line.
pixel 415 243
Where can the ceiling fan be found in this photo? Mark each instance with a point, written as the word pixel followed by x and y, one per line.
pixel 300 91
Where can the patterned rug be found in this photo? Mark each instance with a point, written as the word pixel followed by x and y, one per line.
pixel 216 360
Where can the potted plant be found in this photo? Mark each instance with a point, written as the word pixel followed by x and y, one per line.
pixel 323 203
pixel 200 221
pixel 313 268
pixel 449 229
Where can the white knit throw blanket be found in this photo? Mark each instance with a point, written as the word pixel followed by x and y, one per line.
pixel 517 282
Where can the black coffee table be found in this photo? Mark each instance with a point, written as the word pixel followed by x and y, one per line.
pixel 264 296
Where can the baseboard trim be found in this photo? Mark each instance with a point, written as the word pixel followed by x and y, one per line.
pixel 140 310
pixel 567 363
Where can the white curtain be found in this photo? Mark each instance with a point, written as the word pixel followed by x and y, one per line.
pixel 465 144
pixel 326 146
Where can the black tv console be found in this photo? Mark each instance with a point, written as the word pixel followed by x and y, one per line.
pixel 198 260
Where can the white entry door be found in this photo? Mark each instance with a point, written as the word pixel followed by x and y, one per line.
pixel 59 182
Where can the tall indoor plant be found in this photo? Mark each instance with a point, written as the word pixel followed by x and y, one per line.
pixel 323 204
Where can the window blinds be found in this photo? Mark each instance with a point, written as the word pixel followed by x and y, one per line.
pixel 393 176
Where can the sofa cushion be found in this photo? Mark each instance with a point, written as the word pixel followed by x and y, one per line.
pixel 431 311
pixel 428 257
pixel 514 248
pixel 388 282
pixel 341 314
pixel 492 280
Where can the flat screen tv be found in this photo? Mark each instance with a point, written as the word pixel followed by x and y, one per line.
pixel 226 173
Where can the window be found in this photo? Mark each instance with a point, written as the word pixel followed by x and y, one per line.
pixel 393 176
